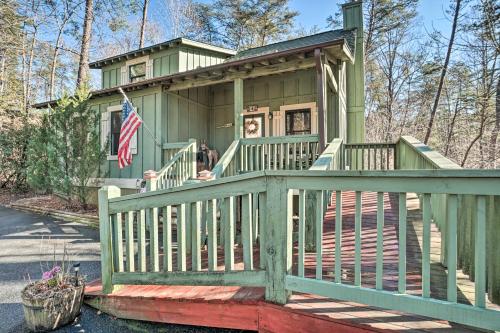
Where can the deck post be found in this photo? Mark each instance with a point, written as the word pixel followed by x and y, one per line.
pixel 152 222
pixel 238 108
pixel 105 234
pixel 278 240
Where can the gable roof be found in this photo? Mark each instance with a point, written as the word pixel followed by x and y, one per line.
pixel 303 42
pixel 161 46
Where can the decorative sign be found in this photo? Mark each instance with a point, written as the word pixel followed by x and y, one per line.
pixel 252 108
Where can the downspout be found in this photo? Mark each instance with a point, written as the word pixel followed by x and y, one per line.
pixel 320 99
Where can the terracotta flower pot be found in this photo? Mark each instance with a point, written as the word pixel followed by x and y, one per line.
pixel 42 318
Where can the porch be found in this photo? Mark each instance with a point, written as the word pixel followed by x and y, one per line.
pixel 274 232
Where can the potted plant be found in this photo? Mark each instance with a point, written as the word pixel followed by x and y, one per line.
pixel 53 301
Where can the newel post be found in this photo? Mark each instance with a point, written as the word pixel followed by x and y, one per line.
pixel 278 240
pixel 193 167
pixel 152 221
pixel 105 232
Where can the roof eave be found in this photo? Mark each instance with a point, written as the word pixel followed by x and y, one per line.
pixel 157 80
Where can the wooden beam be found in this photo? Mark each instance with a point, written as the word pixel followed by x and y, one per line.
pixel 288 66
pixel 264 62
pixel 330 78
pixel 238 108
pixel 248 65
pixel 232 69
pixel 281 59
pixel 320 98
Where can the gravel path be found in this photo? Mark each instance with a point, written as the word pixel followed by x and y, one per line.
pixel 27 242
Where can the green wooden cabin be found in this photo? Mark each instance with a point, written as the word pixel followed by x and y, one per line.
pixel 185 89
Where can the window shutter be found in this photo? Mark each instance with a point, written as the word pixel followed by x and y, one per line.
pixel 149 69
pixel 278 123
pixel 314 120
pixel 105 129
pixel 124 75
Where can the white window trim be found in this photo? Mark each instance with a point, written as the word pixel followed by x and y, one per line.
pixel 262 110
pixel 279 117
pixel 128 63
pixel 133 141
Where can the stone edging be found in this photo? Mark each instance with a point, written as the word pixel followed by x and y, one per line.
pixel 89 220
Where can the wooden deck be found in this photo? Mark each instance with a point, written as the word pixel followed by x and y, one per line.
pixel 245 308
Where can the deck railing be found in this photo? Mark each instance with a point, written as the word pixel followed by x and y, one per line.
pixel 269 195
pixel 294 152
pixel 179 168
pixel 369 156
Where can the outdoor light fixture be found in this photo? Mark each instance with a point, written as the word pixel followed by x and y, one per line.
pixel 76 268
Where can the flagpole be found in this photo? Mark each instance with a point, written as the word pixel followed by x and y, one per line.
pixel 143 123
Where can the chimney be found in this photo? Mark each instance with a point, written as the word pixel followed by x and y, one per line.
pixel 353 18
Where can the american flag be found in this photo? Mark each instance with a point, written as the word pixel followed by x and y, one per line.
pixel 130 123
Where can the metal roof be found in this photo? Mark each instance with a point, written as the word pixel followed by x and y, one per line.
pixel 164 45
pixel 324 37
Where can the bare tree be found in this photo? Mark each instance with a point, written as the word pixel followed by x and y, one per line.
pixel 83 65
pixel 143 23
pixel 443 72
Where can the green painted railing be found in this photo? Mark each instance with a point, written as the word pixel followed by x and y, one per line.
pixel 269 195
pixel 172 148
pixel 293 152
pixel 369 156
pixel 413 155
pixel 178 169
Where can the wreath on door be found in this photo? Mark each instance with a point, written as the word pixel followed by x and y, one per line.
pixel 251 126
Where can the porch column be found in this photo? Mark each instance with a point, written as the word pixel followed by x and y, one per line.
pixel 238 108
pixel 320 97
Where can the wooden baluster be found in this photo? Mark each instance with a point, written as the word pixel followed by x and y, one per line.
pixel 375 166
pixel 387 155
pixel 167 239
pixel 117 241
pixel 152 223
pixel 222 222
pixel 141 239
pixel 294 156
pixel 189 226
pixel 380 242
pixel 287 156
pixel 362 157
pixel 196 236
pixel 426 246
pixel 369 157
pixel 255 216
pixel 319 235
pixel 229 236
pixel 357 240
pixel 308 155
pixel 212 234
pixel 402 243
pixel 275 156
pixel 451 258
pixel 181 237
pixel 257 157
pixel 301 148
pixel 338 237
pixel 381 158
pixel 246 230
pixel 302 231
pixel 282 158
pixel 129 241
pixel 480 252
pixel 263 156
pixel 262 226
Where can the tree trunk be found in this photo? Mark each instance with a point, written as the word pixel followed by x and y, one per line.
pixel 83 66
pixel 443 72
pixel 27 95
pixel 143 23
pixel 496 130
pixel 452 125
pixel 54 65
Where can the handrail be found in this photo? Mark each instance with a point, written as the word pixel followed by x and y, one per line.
pixel 226 160
pixel 181 167
pixel 268 194
pixel 331 158
pixel 281 139
pixel 425 156
pixel 172 148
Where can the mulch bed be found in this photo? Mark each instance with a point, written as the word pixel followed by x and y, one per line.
pixel 44 201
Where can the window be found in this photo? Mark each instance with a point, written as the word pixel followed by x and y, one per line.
pixel 137 72
pixel 116 124
pixel 298 122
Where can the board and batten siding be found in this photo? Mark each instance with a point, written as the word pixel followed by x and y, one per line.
pixel 111 76
pixel 148 104
pixel 270 91
pixel 192 58
pixel 186 115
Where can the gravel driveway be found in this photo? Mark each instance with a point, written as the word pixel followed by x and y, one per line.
pixel 28 241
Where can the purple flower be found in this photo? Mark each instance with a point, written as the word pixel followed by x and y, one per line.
pixel 52 273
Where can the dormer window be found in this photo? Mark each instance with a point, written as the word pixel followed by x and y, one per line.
pixel 137 72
